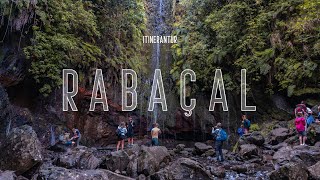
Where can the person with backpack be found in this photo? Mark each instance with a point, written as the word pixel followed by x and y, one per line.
pixel 246 124
pixel 130 132
pixel 121 133
pixel 300 123
pixel 220 136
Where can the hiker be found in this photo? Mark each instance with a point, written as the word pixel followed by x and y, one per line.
pixel 220 136
pixel 300 108
pixel 130 132
pixel 240 130
pixel 76 137
pixel 121 133
pixel 300 126
pixel 310 118
pixel 246 124
pixel 155 131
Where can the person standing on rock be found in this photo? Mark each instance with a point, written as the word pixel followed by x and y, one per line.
pixel 155 131
pixel 130 132
pixel 246 124
pixel 220 136
pixel 300 123
pixel 121 133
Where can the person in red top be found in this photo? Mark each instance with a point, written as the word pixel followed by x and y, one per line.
pixel 301 108
pixel 300 123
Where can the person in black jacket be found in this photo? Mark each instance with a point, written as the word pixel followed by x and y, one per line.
pixel 130 132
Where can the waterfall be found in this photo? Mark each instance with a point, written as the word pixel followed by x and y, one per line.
pixel 156 51
pixel 52 136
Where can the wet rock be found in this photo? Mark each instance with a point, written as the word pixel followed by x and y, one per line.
pixel 118 160
pixel 79 157
pixel 180 147
pixel 314 171
pixel 255 138
pixel 7 175
pixel 291 170
pixel 317 144
pixel 219 172
pixel 21 150
pixel 150 158
pixel 309 155
pixel 278 135
pixel 200 148
pixel 248 151
pixel 142 177
pixel 54 172
pixel 183 168
pixel 210 152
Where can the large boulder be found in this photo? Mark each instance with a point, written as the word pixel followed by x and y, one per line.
pixel 21 150
pixel 7 175
pixel 278 135
pixel 200 148
pixel 183 169
pixel 117 160
pixel 314 171
pixel 249 151
pixel 294 171
pixel 79 157
pixel 54 173
pixel 150 159
pixel 255 138
pixel 309 155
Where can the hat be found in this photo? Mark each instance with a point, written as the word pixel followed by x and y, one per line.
pixel 219 124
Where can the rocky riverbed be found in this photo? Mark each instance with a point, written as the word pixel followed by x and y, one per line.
pixel 255 156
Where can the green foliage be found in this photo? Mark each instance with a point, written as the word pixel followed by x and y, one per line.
pixel 62 39
pixel 80 35
pixel 255 127
pixel 276 41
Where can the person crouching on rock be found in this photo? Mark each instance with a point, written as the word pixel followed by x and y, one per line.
pixel 121 133
pixel 155 134
pixel 300 123
pixel 76 137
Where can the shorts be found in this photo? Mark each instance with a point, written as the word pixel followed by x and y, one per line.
pixel 155 142
pixel 302 133
pixel 130 134
pixel 121 137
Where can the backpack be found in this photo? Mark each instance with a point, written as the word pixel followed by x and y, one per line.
pixel 118 132
pixel 247 123
pixel 222 136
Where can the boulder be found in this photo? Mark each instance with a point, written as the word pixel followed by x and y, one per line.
pixel 79 157
pixel 200 148
pixel 118 160
pixel 210 152
pixel 255 138
pixel 183 168
pixel 291 170
pixel 219 171
pixel 150 158
pixel 21 150
pixel 278 135
pixel 54 172
pixel 7 175
pixel 248 151
pixel 180 147
pixel 309 155
pixel 314 171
